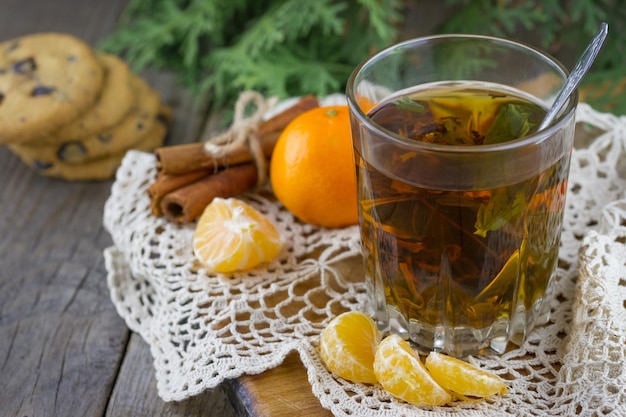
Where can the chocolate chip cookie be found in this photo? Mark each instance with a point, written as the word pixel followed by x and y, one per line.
pixel 47 80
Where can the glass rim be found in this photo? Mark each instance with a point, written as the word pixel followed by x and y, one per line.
pixel 530 139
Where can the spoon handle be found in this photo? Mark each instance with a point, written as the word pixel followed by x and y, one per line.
pixel 577 74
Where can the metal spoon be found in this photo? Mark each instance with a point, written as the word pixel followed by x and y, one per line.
pixel 577 74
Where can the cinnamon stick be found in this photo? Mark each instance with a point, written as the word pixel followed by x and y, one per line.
pixel 186 204
pixel 165 184
pixel 180 159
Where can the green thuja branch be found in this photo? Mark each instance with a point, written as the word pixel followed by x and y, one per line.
pixel 295 47
pixel 278 47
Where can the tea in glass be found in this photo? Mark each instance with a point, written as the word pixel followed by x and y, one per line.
pixel 461 204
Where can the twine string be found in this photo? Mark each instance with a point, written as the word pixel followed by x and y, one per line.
pixel 244 131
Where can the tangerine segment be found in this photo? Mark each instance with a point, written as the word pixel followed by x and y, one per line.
pixel 462 377
pixel 233 236
pixel 347 346
pixel 401 372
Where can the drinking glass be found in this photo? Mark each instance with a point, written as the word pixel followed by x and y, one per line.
pixel 460 236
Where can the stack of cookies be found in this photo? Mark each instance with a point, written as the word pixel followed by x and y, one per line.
pixel 71 112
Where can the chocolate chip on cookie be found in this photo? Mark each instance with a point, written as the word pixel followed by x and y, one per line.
pixel 71 150
pixel 26 66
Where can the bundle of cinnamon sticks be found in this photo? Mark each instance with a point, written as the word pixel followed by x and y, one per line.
pixel 189 177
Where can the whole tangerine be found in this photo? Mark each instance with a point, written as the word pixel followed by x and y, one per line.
pixel 312 169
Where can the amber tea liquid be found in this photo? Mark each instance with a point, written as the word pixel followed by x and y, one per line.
pixel 454 264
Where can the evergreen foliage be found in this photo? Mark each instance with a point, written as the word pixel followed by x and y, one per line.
pixel 277 47
pixel 294 47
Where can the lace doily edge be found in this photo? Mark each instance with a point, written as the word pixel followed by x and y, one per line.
pixel 116 266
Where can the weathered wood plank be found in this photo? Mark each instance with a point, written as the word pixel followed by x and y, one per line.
pixel 88 20
pixel 61 341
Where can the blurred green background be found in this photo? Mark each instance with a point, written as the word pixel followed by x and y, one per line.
pixel 288 48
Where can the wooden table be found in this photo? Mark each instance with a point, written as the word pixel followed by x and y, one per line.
pixel 63 349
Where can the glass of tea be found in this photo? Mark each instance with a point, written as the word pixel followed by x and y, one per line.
pixel 461 198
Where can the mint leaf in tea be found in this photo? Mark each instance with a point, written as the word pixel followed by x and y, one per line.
pixel 460 116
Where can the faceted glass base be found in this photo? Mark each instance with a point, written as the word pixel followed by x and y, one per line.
pixel 463 341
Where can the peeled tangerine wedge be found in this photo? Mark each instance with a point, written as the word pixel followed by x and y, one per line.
pixel 462 377
pixel 347 346
pixel 400 371
pixel 233 236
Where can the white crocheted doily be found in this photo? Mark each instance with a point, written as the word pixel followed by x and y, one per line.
pixel 203 329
